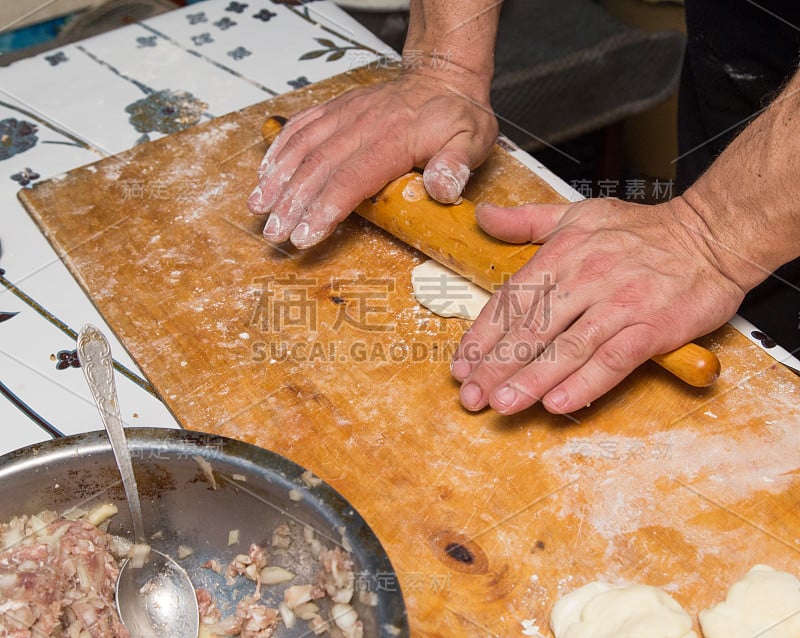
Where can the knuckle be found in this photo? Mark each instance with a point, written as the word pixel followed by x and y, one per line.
pixel 298 139
pixel 348 178
pixel 614 360
pixel 534 325
pixel 317 162
pixel 620 359
pixel 471 350
pixel 597 266
pixel 573 346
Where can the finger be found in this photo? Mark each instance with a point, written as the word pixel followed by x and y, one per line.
pixel 355 179
pixel 529 339
pixel 568 351
pixel 302 200
pixel 448 170
pixel 520 224
pixel 515 299
pixel 297 121
pixel 445 177
pixel 609 364
pixel 559 329
pixel 285 154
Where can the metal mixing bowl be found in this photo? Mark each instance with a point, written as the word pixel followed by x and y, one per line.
pixel 256 491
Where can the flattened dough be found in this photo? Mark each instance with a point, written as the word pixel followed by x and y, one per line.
pixel 599 610
pixel 444 292
pixel 765 603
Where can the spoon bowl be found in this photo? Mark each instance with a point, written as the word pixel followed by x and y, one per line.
pixel 149 598
pixel 156 599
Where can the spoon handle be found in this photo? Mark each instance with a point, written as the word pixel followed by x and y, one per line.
pixel 94 353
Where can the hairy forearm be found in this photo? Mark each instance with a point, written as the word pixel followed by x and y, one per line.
pixel 749 199
pixel 460 33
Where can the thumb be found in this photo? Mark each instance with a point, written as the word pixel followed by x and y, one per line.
pixel 445 177
pixel 528 223
pixel 448 170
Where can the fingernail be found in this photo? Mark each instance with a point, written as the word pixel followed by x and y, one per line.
pixel 266 168
pixel 273 226
pixel 505 395
pixel 444 183
pixel 460 368
pixel 254 201
pixel 471 396
pixel 300 234
pixel 557 399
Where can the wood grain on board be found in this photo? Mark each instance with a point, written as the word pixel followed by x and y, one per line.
pixel 325 357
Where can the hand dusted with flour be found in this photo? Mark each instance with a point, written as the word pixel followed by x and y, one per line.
pixel 435 116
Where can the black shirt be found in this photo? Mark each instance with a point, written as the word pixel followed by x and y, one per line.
pixel 739 55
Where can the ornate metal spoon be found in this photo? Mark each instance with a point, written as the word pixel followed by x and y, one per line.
pixel 157 599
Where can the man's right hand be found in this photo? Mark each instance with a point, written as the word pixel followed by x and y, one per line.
pixel 331 157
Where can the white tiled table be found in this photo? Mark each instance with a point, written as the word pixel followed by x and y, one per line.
pixel 67 107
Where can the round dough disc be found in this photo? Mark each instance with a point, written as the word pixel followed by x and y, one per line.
pixel 444 292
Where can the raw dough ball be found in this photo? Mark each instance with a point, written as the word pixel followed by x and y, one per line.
pixel 444 292
pixel 765 603
pixel 599 610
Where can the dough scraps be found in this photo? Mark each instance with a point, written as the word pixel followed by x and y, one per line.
pixel 600 610
pixel 765 603
pixel 446 293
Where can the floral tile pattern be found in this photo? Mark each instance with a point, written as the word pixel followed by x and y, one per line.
pixel 227 34
pixel 41 306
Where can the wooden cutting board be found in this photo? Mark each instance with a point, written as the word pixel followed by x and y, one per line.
pixel 325 357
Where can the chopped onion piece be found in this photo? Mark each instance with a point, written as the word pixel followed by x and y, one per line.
pixel 297 595
pixel 310 480
pixel 208 472
pixel 281 537
pixel 184 551
pixel 287 615
pixel 273 575
pixel 318 626
pixel 294 495
pixel 138 554
pixel 306 611
pixel 344 616
pixel 101 513
pixel 84 579
pixel 239 477
pixel 369 598
pixel 343 595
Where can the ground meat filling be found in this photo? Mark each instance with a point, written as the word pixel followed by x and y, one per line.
pixel 57 578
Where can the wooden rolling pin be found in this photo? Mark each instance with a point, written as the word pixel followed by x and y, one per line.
pixel 449 233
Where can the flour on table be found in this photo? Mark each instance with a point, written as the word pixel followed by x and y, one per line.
pixel 765 603
pixel 600 610
pixel 444 292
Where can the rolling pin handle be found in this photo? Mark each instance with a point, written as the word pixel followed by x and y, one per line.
pixel 271 127
pixel 692 364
